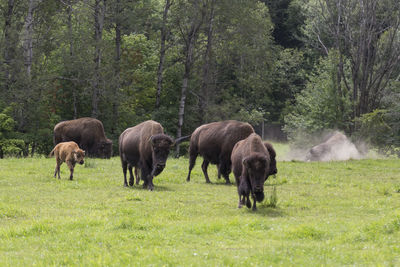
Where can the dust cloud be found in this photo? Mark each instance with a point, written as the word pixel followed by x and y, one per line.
pixel 330 146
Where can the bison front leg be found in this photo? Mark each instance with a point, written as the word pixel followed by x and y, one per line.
pixel 224 169
pixel 244 192
pixel 254 202
pixel 147 177
pixel 71 169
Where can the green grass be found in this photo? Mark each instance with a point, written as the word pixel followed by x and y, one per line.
pixel 334 213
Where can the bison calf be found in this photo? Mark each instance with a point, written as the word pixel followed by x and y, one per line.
pixel 70 153
pixel 251 165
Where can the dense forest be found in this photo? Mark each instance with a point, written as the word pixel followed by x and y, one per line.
pixel 307 65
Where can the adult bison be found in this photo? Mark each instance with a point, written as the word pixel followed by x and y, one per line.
pixel 144 146
pixel 88 133
pixel 251 165
pixel 214 142
pixel 336 147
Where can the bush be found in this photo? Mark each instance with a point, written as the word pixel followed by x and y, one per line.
pixel 9 146
pixel 376 129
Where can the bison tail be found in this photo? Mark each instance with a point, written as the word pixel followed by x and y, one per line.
pixel 182 139
pixel 52 153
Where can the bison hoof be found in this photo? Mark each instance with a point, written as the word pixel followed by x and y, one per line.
pixel 130 183
pixel 248 204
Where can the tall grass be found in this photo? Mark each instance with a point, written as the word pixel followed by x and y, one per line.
pixel 333 213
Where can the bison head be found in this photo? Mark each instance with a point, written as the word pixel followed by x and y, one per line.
pixel 257 168
pixel 104 149
pixel 79 156
pixel 161 145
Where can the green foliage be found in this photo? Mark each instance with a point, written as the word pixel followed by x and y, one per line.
pixel 375 129
pixel 9 146
pixel 324 104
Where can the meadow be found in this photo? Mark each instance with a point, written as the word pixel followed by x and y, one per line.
pixel 332 213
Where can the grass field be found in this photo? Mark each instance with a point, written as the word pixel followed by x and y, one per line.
pixel 334 213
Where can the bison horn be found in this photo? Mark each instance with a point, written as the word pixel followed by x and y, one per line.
pixel 245 161
pixel 151 140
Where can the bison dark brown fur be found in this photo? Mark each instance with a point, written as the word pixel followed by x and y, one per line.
pixel 251 167
pixel 146 147
pixel 214 142
pixel 70 153
pixel 272 165
pixel 88 133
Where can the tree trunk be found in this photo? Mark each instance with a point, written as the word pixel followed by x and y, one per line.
pixel 189 55
pixel 204 98
pixel 71 59
pixel 185 81
pixel 99 9
pixel 28 39
pixel 164 35
pixel 117 67
pixel 8 53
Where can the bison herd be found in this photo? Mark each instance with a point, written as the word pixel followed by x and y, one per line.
pixel 231 145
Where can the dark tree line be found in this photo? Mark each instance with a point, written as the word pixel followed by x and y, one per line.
pixel 188 62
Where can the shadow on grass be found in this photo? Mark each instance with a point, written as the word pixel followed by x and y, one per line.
pixel 266 211
pixel 156 188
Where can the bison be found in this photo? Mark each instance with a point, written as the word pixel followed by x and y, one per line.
pixel 88 133
pixel 214 142
pixel 336 147
pixel 144 146
pixel 251 165
pixel 70 153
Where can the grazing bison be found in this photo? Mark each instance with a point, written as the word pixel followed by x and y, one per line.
pixel 336 147
pixel 144 146
pixel 70 153
pixel 251 163
pixel 214 142
pixel 88 133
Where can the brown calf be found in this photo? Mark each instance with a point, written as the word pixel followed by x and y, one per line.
pixel 70 153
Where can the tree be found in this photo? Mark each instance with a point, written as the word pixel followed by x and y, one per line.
pixel 189 31
pixel 163 37
pixel 366 32
pixel 99 11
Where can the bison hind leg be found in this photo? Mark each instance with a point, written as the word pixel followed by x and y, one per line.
pixel 124 169
pixel 204 167
pixel 137 175
pixel 131 178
